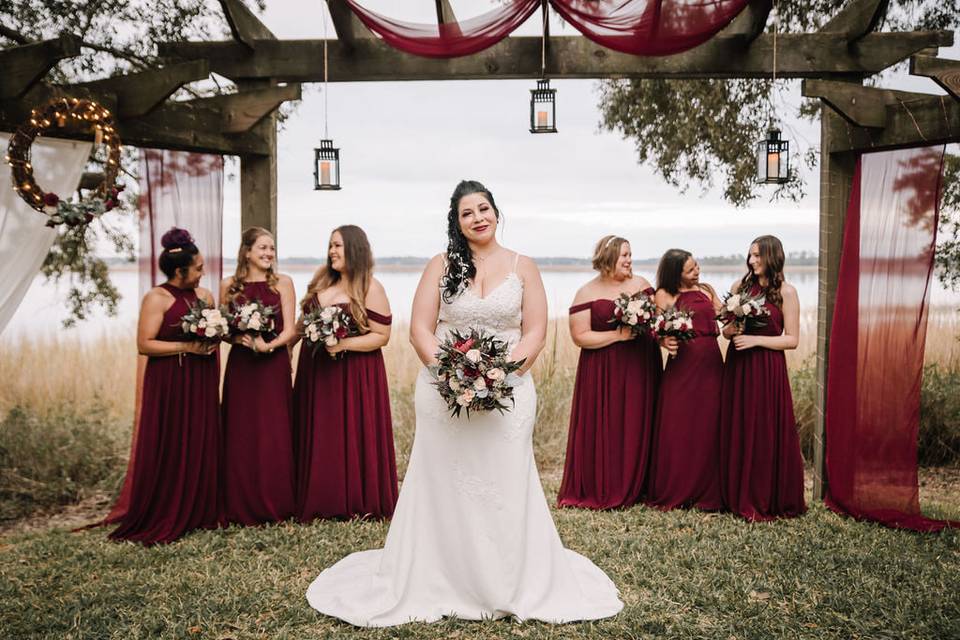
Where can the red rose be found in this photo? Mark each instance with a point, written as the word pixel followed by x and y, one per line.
pixel 464 346
pixel 88 217
pixel 51 199
pixel 109 205
pixel 341 333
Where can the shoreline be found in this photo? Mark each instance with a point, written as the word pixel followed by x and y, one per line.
pixel 551 268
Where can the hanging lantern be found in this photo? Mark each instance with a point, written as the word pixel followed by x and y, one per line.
pixel 773 158
pixel 326 169
pixel 543 108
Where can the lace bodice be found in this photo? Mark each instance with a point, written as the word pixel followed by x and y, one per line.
pixel 498 312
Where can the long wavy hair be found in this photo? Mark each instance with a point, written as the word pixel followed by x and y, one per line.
pixel 771 253
pixel 357 273
pixel 460 268
pixel 670 270
pixel 247 240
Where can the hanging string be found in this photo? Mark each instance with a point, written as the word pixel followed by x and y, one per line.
pixel 326 107
pixel 543 44
pixel 773 84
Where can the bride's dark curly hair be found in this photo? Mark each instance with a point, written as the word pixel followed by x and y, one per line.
pixel 460 268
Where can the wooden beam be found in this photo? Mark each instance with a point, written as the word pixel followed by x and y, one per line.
pixel 861 106
pixel 241 111
pixel 172 126
pixel 836 180
pixel 348 26
pixel 244 24
pixel 856 19
pixel 928 121
pixel 751 22
pixel 445 14
pixel 817 55
pixel 25 65
pixel 945 73
pixel 139 93
pixel 258 173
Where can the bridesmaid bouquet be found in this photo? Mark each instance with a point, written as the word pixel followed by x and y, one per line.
pixel 326 326
pixel 743 309
pixel 674 323
pixel 254 317
pixel 205 322
pixel 473 373
pixel 635 311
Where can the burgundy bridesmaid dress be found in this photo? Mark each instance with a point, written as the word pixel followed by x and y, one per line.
pixel 257 429
pixel 685 460
pixel 611 419
pixel 174 485
pixel 343 435
pixel 761 467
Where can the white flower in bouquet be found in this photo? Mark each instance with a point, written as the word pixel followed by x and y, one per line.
pixel 454 385
pixel 327 314
pixel 496 374
pixel 479 384
pixel 733 302
pixel 331 341
pixel 473 355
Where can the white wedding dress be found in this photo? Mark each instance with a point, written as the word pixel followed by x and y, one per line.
pixel 472 536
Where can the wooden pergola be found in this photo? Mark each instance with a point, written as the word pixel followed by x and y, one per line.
pixel 833 62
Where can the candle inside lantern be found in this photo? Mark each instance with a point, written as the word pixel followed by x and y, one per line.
pixel 325 172
pixel 98 135
pixel 773 164
pixel 541 119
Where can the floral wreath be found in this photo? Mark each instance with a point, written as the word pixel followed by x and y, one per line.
pixel 66 113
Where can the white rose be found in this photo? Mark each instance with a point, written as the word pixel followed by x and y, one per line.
pixel 733 302
pixel 313 335
pixel 646 315
pixel 327 314
pixel 745 309
pixel 330 341
pixel 254 324
pixel 635 306
pixel 479 384
pixel 202 324
pixel 469 394
pixel 473 355
pixel 210 332
pixel 496 374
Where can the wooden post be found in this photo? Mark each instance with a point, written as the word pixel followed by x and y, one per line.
pixel 258 173
pixel 836 178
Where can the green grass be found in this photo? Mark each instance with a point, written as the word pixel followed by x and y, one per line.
pixel 681 574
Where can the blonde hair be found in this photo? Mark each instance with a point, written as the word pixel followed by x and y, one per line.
pixel 247 240
pixel 606 254
pixel 358 271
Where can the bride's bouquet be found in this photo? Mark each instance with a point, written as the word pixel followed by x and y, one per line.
pixel 326 326
pixel 254 317
pixel 473 373
pixel 743 309
pixel 674 323
pixel 635 311
pixel 205 322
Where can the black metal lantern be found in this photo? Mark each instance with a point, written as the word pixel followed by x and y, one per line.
pixel 326 167
pixel 773 158
pixel 543 108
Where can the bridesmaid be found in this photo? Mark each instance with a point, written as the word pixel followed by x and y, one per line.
pixel 257 392
pixel 684 471
pixel 761 467
pixel 618 376
pixel 345 464
pixel 174 483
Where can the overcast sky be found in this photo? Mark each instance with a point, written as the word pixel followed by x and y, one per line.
pixel 405 145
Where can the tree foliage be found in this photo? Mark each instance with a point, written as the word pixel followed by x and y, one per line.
pixel 701 132
pixel 119 36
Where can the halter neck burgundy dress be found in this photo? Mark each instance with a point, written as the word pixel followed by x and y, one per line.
pixel 257 427
pixel 343 434
pixel 174 485
pixel 761 467
pixel 611 417
pixel 684 470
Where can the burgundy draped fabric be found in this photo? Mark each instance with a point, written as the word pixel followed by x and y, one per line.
pixel 177 189
pixel 452 39
pixel 877 338
pixel 638 27
pixel 649 27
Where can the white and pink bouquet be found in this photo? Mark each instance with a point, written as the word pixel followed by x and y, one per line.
pixel 205 322
pixel 254 317
pixel 674 323
pixel 635 311
pixel 743 309
pixel 327 326
pixel 473 373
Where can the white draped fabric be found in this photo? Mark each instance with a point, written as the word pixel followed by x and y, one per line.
pixel 24 237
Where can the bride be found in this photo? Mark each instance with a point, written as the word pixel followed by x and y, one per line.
pixel 472 536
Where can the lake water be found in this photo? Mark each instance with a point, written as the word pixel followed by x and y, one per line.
pixel 42 309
